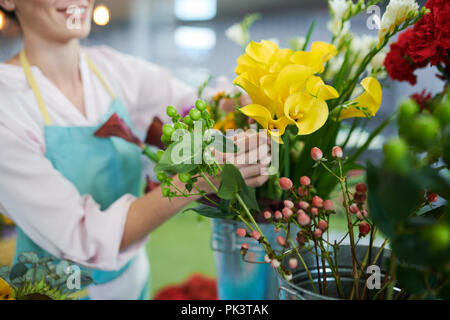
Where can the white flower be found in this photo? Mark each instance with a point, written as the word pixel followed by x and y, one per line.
pixel 339 8
pixel 378 61
pixel 396 13
pixel 237 34
pixel 361 46
pixel 267 259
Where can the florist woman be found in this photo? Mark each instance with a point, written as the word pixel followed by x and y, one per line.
pixel 72 195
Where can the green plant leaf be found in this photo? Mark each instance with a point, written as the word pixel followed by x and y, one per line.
pixel 183 155
pixel 211 212
pixel 377 211
pixel 18 270
pixel 29 257
pixel 410 279
pixel 232 184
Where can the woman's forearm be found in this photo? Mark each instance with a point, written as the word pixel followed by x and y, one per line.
pixel 149 212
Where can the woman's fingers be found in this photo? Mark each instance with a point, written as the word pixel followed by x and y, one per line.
pixel 257 181
pixel 251 171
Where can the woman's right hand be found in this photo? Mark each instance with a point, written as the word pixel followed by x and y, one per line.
pixel 252 159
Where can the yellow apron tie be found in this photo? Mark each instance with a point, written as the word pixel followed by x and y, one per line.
pixel 33 84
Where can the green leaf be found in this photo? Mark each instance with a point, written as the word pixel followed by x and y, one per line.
pixel 183 155
pixel 232 184
pixel 379 215
pixel 29 257
pixel 220 142
pixel 18 270
pixel 410 279
pixel 211 212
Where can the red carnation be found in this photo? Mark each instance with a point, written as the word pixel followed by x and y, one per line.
pixel 431 38
pixel 397 63
pixel 199 287
pixel 422 99
pixel 171 293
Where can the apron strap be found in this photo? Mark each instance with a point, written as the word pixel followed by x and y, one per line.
pixel 32 82
pixel 37 93
pixel 99 76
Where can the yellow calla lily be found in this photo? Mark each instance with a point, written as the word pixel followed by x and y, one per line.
pixel 6 292
pixel 260 114
pixel 292 78
pixel 370 100
pixel 320 53
pixel 308 109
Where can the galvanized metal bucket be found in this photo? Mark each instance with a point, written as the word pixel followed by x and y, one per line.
pixel 237 279
pixel 301 289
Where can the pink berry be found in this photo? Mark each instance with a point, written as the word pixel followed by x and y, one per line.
pixel 293 263
pixel 317 201
pixel 285 183
pixel 267 259
pixel 432 197
pixel 289 204
pixel 275 263
pixel 305 181
pixel 241 232
pixel 256 235
pixel 323 225
pixel 287 213
pixel 328 205
pixel 281 241
pixel 276 230
pixel 278 214
pixel 354 208
pixel 337 152
pixel 267 215
pixel 318 233
pixel 245 246
pixel 303 219
pixel 364 228
pixel 361 187
pixel 316 154
pixel 314 211
pixel 304 205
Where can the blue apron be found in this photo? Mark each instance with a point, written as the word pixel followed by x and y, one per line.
pixel 105 168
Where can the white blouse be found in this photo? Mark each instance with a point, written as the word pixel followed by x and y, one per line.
pixel 42 202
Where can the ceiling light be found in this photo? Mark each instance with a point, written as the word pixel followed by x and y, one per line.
pixel 195 10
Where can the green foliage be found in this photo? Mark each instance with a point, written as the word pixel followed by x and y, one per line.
pixel 233 184
pixel 36 277
pixel 399 205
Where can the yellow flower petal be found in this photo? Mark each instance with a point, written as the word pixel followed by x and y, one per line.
pixel 256 93
pixel 5 290
pixel 261 51
pixel 291 75
pixel 317 88
pixel 320 53
pixel 260 114
pixel 371 100
pixel 308 113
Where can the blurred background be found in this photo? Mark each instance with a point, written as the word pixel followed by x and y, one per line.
pixel 188 38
